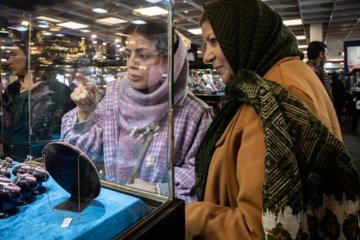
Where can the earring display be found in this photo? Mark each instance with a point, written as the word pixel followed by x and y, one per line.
pixel 9 194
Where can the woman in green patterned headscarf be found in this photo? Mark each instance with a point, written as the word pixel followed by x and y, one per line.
pixel 272 164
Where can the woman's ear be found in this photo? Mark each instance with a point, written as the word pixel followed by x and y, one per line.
pixel 158 73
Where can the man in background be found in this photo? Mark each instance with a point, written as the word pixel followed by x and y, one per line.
pixel 316 53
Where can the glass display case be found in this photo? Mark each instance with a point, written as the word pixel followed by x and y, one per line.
pixel 66 79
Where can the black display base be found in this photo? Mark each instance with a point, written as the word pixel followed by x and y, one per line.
pixel 39 191
pixel 72 205
pixel 7 210
pixel 27 198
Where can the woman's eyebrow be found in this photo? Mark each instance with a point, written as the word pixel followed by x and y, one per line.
pixel 136 50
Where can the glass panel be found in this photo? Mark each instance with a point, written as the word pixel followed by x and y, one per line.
pixel 100 85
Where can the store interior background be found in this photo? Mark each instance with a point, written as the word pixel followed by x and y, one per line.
pixel 331 21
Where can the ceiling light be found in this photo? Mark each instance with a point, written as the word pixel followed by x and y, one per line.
pixel 94 42
pixel 94 36
pixel 196 31
pixel 72 25
pixel 46 33
pixel 60 35
pixel 49 19
pixel 139 22
pixel 110 21
pixel 151 11
pixel 43 26
pixel 303 46
pixel 293 22
pixel 300 37
pixel 85 30
pixel 100 10
pixel 117 40
pixel 153 1
pixel 25 23
pixel 199 51
pixel 20 28
pixel 104 43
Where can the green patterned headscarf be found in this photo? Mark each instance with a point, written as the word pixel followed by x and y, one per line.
pixel 309 178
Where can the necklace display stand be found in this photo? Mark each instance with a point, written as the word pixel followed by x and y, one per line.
pixel 74 172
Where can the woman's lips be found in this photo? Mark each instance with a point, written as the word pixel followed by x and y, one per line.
pixel 134 77
pixel 218 69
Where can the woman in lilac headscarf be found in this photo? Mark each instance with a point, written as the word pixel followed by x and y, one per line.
pixel 132 117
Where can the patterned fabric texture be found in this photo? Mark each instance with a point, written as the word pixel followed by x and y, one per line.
pixel 110 137
pixel 311 188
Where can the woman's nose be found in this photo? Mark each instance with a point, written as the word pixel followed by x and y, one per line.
pixel 133 62
pixel 208 56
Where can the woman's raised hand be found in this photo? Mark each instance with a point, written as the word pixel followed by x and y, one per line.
pixel 85 97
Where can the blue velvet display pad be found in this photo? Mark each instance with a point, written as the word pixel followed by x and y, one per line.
pixel 108 215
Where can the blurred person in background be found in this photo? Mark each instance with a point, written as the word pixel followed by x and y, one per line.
pixel 49 101
pixel 317 55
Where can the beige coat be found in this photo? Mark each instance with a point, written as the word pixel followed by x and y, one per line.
pixel 232 206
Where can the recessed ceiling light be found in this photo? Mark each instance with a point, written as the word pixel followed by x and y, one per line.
pixel 151 11
pixel 94 36
pixel 293 22
pixel 300 37
pixel 20 28
pixel 72 25
pixel 43 26
pixel 196 31
pixel 303 46
pixel 48 19
pixel 100 10
pixel 153 1
pixel 60 35
pixel 46 33
pixel 110 21
pixel 138 22
pixel 25 23
pixel 85 30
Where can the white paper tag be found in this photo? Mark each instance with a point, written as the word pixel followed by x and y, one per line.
pixel 66 222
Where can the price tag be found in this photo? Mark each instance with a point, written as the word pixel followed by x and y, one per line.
pixel 66 222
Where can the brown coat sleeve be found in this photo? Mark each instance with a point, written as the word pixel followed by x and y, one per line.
pixel 233 200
